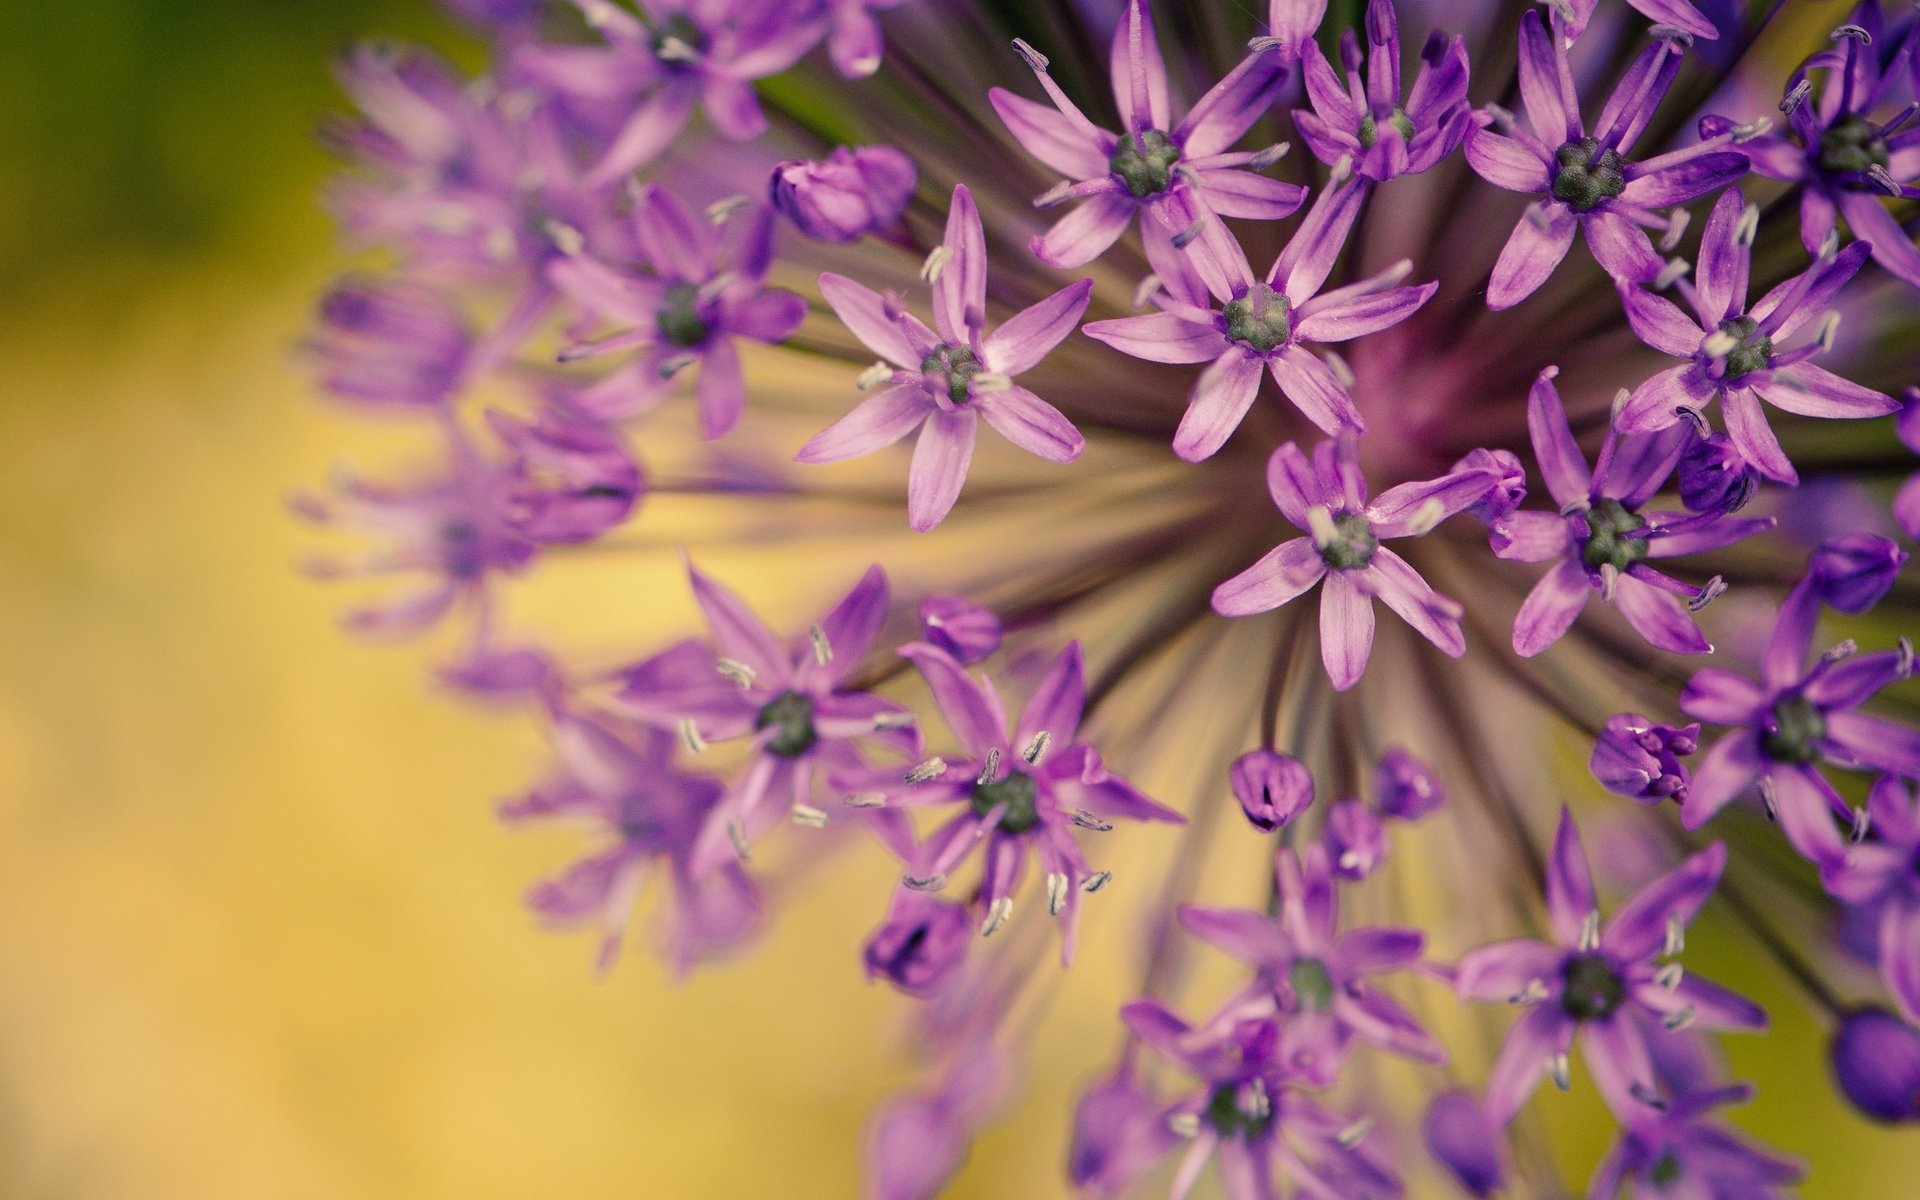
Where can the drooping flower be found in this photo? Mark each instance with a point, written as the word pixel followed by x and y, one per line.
pixel 1605 983
pixel 621 781
pixel 849 194
pixel 1406 788
pixel 1881 876
pixel 946 379
pixel 1586 181
pixel 1462 1139
pixel 1328 498
pixel 920 945
pixel 917 1142
pixel 1855 572
pixel 1364 123
pixel 1273 788
pixel 1734 353
pixel 1263 323
pixel 572 480
pixel 1119 1131
pixel 1638 757
pixel 697 287
pixel 1354 840
pixel 1714 476
pixel 1600 539
pixel 1156 164
pixel 960 627
pixel 1876 1060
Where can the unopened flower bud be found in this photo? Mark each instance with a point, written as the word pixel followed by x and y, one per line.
pixel 848 195
pixel 1406 788
pixel 963 629
pixel 1508 488
pixel 1636 757
pixel 1462 1139
pixel 1714 477
pixel 1854 573
pixel 922 941
pixel 1273 788
pixel 1876 1058
pixel 1355 841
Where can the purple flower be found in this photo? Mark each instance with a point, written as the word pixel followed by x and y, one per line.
pixel 1462 1139
pixel 921 944
pixel 791 700
pixel 1364 124
pixel 699 286
pixel 1315 978
pixel 1263 323
pixel 1249 1119
pixel 1675 13
pixel 1355 841
pixel 917 1141
pixel 1273 788
pixel 943 383
pixel 1677 1149
pixel 659 63
pixel 1119 1131
pixel 621 781
pixel 1791 720
pixel 1855 572
pixel 960 627
pixel 1156 164
pixel 1328 497
pixel 1292 24
pixel 1876 1059
pixel 1881 876
pixel 1605 983
pixel 1847 161
pixel 1637 757
pixel 1714 477
pixel 1508 487
pixel 1602 540
pixel 1586 180
pixel 1021 790
pixel 851 193
pixel 573 480
pixel 1733 354
pixel 391 344
pixel 1406 788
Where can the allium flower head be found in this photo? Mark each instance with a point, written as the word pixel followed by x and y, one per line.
pixel 1365 123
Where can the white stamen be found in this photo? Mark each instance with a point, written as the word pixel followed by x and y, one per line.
pixel 997 914
pixel 1751 129
pixel 1502 117
pixel 1609 581
pixel 1035 59
pixel 1350 860
pixel 1620 399
pixel 670 367
pixel 1670 975
pixel 990 773
pixel 1698 418
pixel 1676 937
pixel 500 243
pixel 672 49
pixel 1087 820
pixel 1537 214
pixel 734 669
pixel 737 834
pixel 1533 993
pixel 1057 885
pixel 1185 1124
pixel 1186 237
pixel 1905 665
pixel 1719 344
pixel 894 720
pixel 1430 513
pixel 929 883
pixel 1829 246
pixel 1256 1103
pixel 937 260
pixel 1355 1133
pixel 1670 274
pixel 1096 881
pixel 1827 331
pixel 1843 649
pixel 874 376
pixel 1320 525
pixel 1862 825
pixel 1342 373
pixel 1670 33
pixel 1143 294
pixel 808 815
pixel 1855 32
pixel 1766 798
pixel 822 648
pixel 1037 746
pixel 1647 1096
pixel 1714 589
pixel 1748 227
pixel 690 736
pixel 1561 1072
pixel 933 768
pixel 720 210
pixel 1590 931
pixel 1341 171
pixel 1059 193
pixel 1677 223
pixel 1261 45
pixel 1271 155
pixel 566 238
pixel 865 800
pixel 1792 99
pixel 1884 180
pixel 992 381
pixel 1676 1021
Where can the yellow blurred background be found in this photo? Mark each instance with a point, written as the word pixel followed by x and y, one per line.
pixel 260 934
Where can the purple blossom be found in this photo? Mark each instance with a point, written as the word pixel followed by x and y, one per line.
pixel 1790 720
pixel 1406 788
pixel 391 344
pixel 572 480
pixel 793 701
pixel 1855 572
pixel 1119 1131
pixel 1315 979
pixel 1462 1139
pixel 1846 160
pixel 917 1141
pixel 1640 758
pixel 944 382
pixel 1677 14
pixel 1876 1059
pixel 1677 1149
pixel 698 286
pixel 1881 875
pixel 1260 323
pixel 1273 788
pixel 1734 353
pixel 1508 487
pixel 1157 167
pixel 1714 477
pixel 1328 497
pixel 1356 843
pixel 921 944
pixel 854 191
pixel 1364 124
pixel 853 35
pixel 1601 539
pixel 960 627
pixel 1584 180
pixel 1605 983
pixel 621 781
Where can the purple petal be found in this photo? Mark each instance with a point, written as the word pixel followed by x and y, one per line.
pixel 772 316
pixel 1652 405
pixel 1538 242
pixel 1569 885
pixel 1139 72
pixel 1314 390
pixel 1659 322
pixel 1048 136
pixel 1540 90
pixel 1727 770
pixel 653 126
pixel 1231 107
pixel 1325 92
pixel 1221 398
pixel 1282 574
pixel 1293 484
pixel 1159 337
pixel 1658 617
pixel 736 631
pixel 1057 701
pixel 1531 537
pixel 1622 1070
pixel 1753 437
pixel 1561 464
pixel 1534 1039
pixel 1030 423
pixel 1327 319
pixel 1550 608
pixel 972 711
pixel 1310 255
pixel 864 313
pixel 1900 956
pixel 960 293
pixel 1714 1007
pixel 1725 262
pixel 940 460
pixel 1379 948
pixel 1721 697
pixel 1236 193
pixel 1814 391
pixel 1503 970
pixel 1019 344
pixel 1506 163
pixel 1680 182
pixel 1249 937
pixel 1346 629
pixel 1639 930
pixel 1811 292
pixel 1401 589
pixel 876 422
pixel 1621 247
pixel 1084 234
pixel 671 238
pixel 723 390
pixel 854 622
pixel 1893 248
pixel 1876 743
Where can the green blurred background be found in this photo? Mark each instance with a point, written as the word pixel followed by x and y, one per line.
pixel 259 933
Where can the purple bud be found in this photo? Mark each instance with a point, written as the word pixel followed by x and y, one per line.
pixel 1273 788
pixel 922 941
pixel 390 344
pixel 1465 1142
pixel 1854 573
pixel 1355 841
pixel 1508 489
pixel 576 478
pixel 1636 757
pixel 1876 1057
pixel 1405 787
pixel 1118 1132
pixel 1907 425
pixel 1715 477
pixel 961 628
pixel 1382 25
pixel 851 194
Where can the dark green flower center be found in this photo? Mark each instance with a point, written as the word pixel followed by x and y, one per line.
pixel 682 29
pixel 1751 349
pixel 790 716
pixel 1352 545
pixel 1852 145
pixel 1610 540
pixel 1370 129
pixel 1144 162
pixel 1261 319
pixel 680 319
pixel 1591 990
pixel 954 363
pixel 1311 983
pixel 1797 728
pixel 1225 1113
pixel 1666 1171
pixel 1018 792
pixel 1586 174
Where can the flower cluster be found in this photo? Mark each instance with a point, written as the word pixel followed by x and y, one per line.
pixel 642 200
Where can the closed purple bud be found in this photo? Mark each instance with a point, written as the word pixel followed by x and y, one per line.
pixel 1273 788
pixel 923 940
pixel 961 628
pixel 1465 1142
pixel 1856 572
pixel 1355 841
pixel 1876 1057
pixel 1405 787
pixel 1509 486
pixel 1636 757
pixel 848 195
pixel 1714 477
pixel 390 344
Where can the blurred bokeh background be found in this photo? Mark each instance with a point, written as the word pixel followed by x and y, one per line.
pixel 259 932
